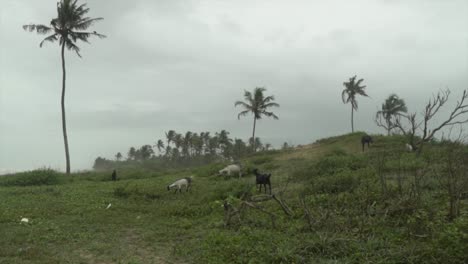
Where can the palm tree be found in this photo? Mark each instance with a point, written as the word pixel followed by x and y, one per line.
pixel 160 145
pixel 67 28
pixel 257 104
pixel 353 88
pixel 170 135
pixel 393 107
pixel 118 156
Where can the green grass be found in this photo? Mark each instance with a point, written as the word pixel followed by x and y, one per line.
pixel 352 220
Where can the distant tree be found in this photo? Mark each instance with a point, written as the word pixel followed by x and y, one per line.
pixel 239 148
pixel 118 156
pixel 170 135
pixel 267 146
pixel 391 109
pixel 160 145
pixel 131 154
pixel 352 89
pixel 145 151
pixel 285 146
pixel 257 104
pixel 257 144
pixel 67 28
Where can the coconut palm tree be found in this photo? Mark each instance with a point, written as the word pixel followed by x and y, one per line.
pixel 353 88
pixel 257 104
pixel 170 135
pixel 160 145
pixel 393 107
pixel 67 28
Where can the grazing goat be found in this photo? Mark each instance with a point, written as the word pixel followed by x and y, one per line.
pixel 234 168
pixel 262 179
pixel 114 175
pixel 179 184
pixel 409 148
pixel 366 139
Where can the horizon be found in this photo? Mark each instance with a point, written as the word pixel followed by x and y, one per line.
pixel 181 65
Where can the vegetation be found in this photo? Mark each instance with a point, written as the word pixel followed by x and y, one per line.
pixel 67 28
pixel 393 108
pixel 340 206
pixel 257 104
pixel 188 149
pixel 351 90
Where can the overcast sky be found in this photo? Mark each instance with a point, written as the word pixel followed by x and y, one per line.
pixel 181 64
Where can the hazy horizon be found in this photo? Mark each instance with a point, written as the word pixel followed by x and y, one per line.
pixel 181 65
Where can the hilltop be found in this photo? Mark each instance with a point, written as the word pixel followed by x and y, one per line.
pixel 383 205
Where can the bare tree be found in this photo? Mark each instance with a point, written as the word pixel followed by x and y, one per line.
pixel 453 173
pixel 456 116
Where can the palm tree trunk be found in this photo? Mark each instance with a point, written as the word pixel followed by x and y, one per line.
pixel 64 123
pixel 352 117
pixel 253 134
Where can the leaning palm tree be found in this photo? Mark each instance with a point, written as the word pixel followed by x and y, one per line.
pixel 353 88
pixel 67 28
pixel 257 104
pixel 392 108
pixel 159 145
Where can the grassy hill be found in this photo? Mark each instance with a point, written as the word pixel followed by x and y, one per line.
pixel 381 206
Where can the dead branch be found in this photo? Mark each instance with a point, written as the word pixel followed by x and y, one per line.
pixel 307 213
pixel 273 216
pixel 283 206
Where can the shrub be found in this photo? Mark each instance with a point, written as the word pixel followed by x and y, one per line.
pixel 32 178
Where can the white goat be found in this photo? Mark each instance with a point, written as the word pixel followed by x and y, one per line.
pixel 179 184
pixel 234 168
pixel 409 148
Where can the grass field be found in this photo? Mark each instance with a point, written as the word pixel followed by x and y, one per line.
pixel 351 218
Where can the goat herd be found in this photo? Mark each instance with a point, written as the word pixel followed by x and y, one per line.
pixel 260 179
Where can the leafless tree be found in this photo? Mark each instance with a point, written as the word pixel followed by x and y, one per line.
pixel 458 115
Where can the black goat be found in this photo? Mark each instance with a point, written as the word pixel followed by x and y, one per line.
pixel 262 179
pixel 366 139
pixel 114 175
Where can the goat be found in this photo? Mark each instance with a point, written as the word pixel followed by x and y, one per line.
pixel 262 179
pixel 409 148
pixel 366 139
pixel 179 184
pixel 234 168
pixel 114 175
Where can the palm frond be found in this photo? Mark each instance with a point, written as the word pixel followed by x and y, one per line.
pixel 243 113
pixel 71 46
pixel 270 105
pixel 270 114
pixel 85 23
pixel 40 29
pixel 51 38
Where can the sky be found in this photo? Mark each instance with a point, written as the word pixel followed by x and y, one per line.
pixel 181 65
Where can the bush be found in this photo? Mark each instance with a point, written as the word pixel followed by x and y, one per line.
pixel 32 178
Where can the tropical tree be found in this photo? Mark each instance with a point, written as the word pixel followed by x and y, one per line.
pixel 257 104
pixel 170 135
pixel 67 28
pixel 131 153
pixel 351 90
pixel 118 156
pixel 160 145
pixel 391 109
pixel 145 151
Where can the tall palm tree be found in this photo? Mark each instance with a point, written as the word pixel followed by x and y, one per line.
pixel 160 145
pixel 67 28
pixel 257 104
pixel 353 88
pixel 170 135
pixel 393 107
